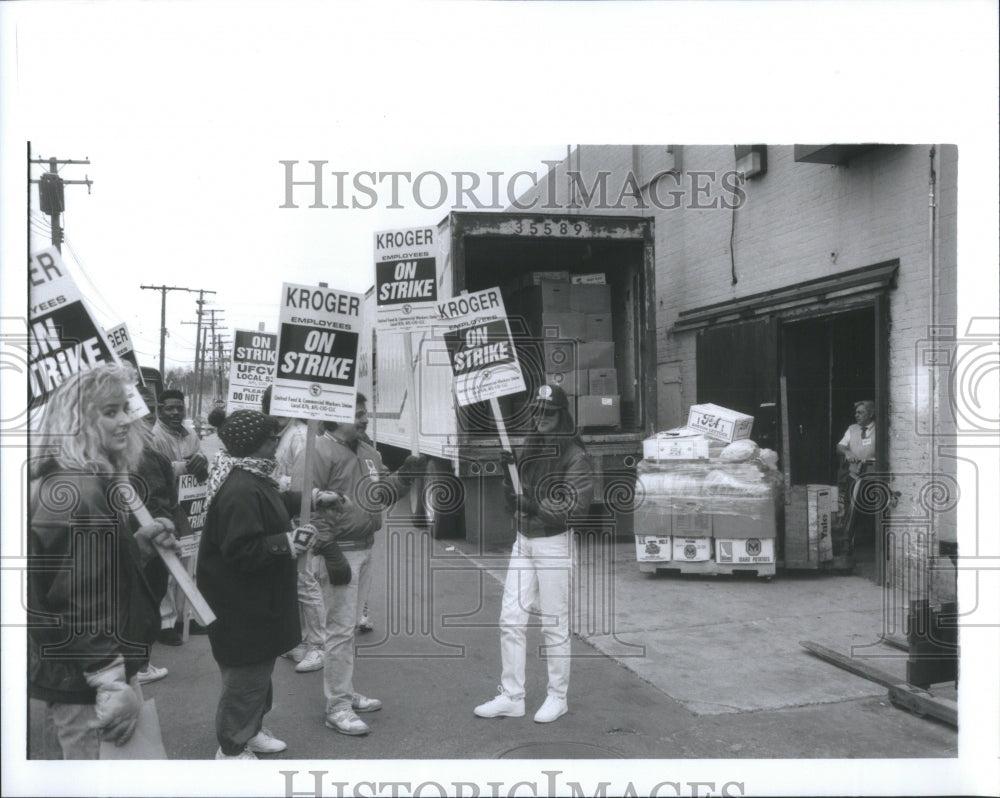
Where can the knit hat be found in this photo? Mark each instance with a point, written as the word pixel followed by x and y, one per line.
pixel 244 431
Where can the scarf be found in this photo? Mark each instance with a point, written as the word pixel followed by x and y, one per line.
pixel 224 464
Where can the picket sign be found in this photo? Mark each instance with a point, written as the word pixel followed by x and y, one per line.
pixel 174 565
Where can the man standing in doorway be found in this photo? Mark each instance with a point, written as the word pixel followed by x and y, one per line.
pixel 182 447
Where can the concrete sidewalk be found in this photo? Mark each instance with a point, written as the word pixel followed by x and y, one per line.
pixel 720 644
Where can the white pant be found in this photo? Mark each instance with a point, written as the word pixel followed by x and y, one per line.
pixel 538 582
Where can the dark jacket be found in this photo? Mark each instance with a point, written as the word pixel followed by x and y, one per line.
pixel 359 475
pixel 88 598
pixel 557 480
pixel 246 572
pixel 157 487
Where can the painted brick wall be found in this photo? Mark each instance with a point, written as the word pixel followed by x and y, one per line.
pixel 796 222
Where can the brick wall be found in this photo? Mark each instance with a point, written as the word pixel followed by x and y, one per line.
pixel 796 222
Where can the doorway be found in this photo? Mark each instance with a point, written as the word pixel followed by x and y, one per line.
pixel 829 363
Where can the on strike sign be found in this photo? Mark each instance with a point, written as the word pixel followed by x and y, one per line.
pixel 405 279
pixel 252 369
pixel 63 337
pixel 316 370
pixel 483 360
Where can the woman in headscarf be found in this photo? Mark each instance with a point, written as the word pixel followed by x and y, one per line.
pixel 94 613
pixel 556 489
pixel 247 573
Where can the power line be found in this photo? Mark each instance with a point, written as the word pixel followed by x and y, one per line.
pixel 163 310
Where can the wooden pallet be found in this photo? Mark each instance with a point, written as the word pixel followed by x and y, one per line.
pixel 709 568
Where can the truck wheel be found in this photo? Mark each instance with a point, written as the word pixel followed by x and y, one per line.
pixel 442 499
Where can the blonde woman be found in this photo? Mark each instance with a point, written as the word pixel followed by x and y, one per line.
pixel 93 614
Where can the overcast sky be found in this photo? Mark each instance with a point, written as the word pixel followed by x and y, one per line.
pixel 185 110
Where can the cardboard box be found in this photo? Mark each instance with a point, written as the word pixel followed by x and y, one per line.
pixel 596 355
pixel 549 296
pixel 652 548
pixel 602 381
pixel 561 325
pixel 589 298
pixel 598 411
pixel 691 520
pixel 588 279
pixel 668 447
pixel 691 549
pixel 743 518
pixel 597 327
pixel 560 356
pixel 569 381
pixel 720 423
pixel 536 278
pixel 746 551
pixel 821 504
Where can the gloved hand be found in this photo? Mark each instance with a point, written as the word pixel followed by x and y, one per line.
pixel 413 466
pixel 197 464
pixel 337 566
pixel 329 498
pixel 507 458
pixel 159 533
pixel 301 539
pixel 117 705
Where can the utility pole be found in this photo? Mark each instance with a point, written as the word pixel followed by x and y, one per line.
pixel 163 313
pixel 201 351
pixel 51 199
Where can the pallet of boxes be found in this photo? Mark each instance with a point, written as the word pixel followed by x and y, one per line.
pixel 571 344
pixel 707 497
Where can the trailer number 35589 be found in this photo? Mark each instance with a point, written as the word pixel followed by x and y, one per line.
pixel 535 227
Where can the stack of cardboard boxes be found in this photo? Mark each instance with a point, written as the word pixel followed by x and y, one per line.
pixel 699 513
pixel 571 315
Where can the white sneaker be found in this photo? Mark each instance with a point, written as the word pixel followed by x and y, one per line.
pixel 360 703
pixel 365 625
pixel 313 661
pixel 503 706
pixel 553 709
pixel 151 674
pixel 246 753
pixel 263 742
pixel 346 722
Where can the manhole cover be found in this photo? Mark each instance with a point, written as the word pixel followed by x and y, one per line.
pixel 559 751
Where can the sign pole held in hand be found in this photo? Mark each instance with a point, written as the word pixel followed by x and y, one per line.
pixel 505 443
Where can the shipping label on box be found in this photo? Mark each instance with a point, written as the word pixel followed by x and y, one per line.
pixel 692 549
pixel 652 548
pixel 746 551
pixel 720 423
pixel 821 503
pixel 588 279
pixel 597 327
pixel 671 448
pixel 598 411
pixel 589 298
pixel 596 355
pixel 602 381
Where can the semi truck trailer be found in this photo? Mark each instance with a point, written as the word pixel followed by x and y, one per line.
pixel 579 295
